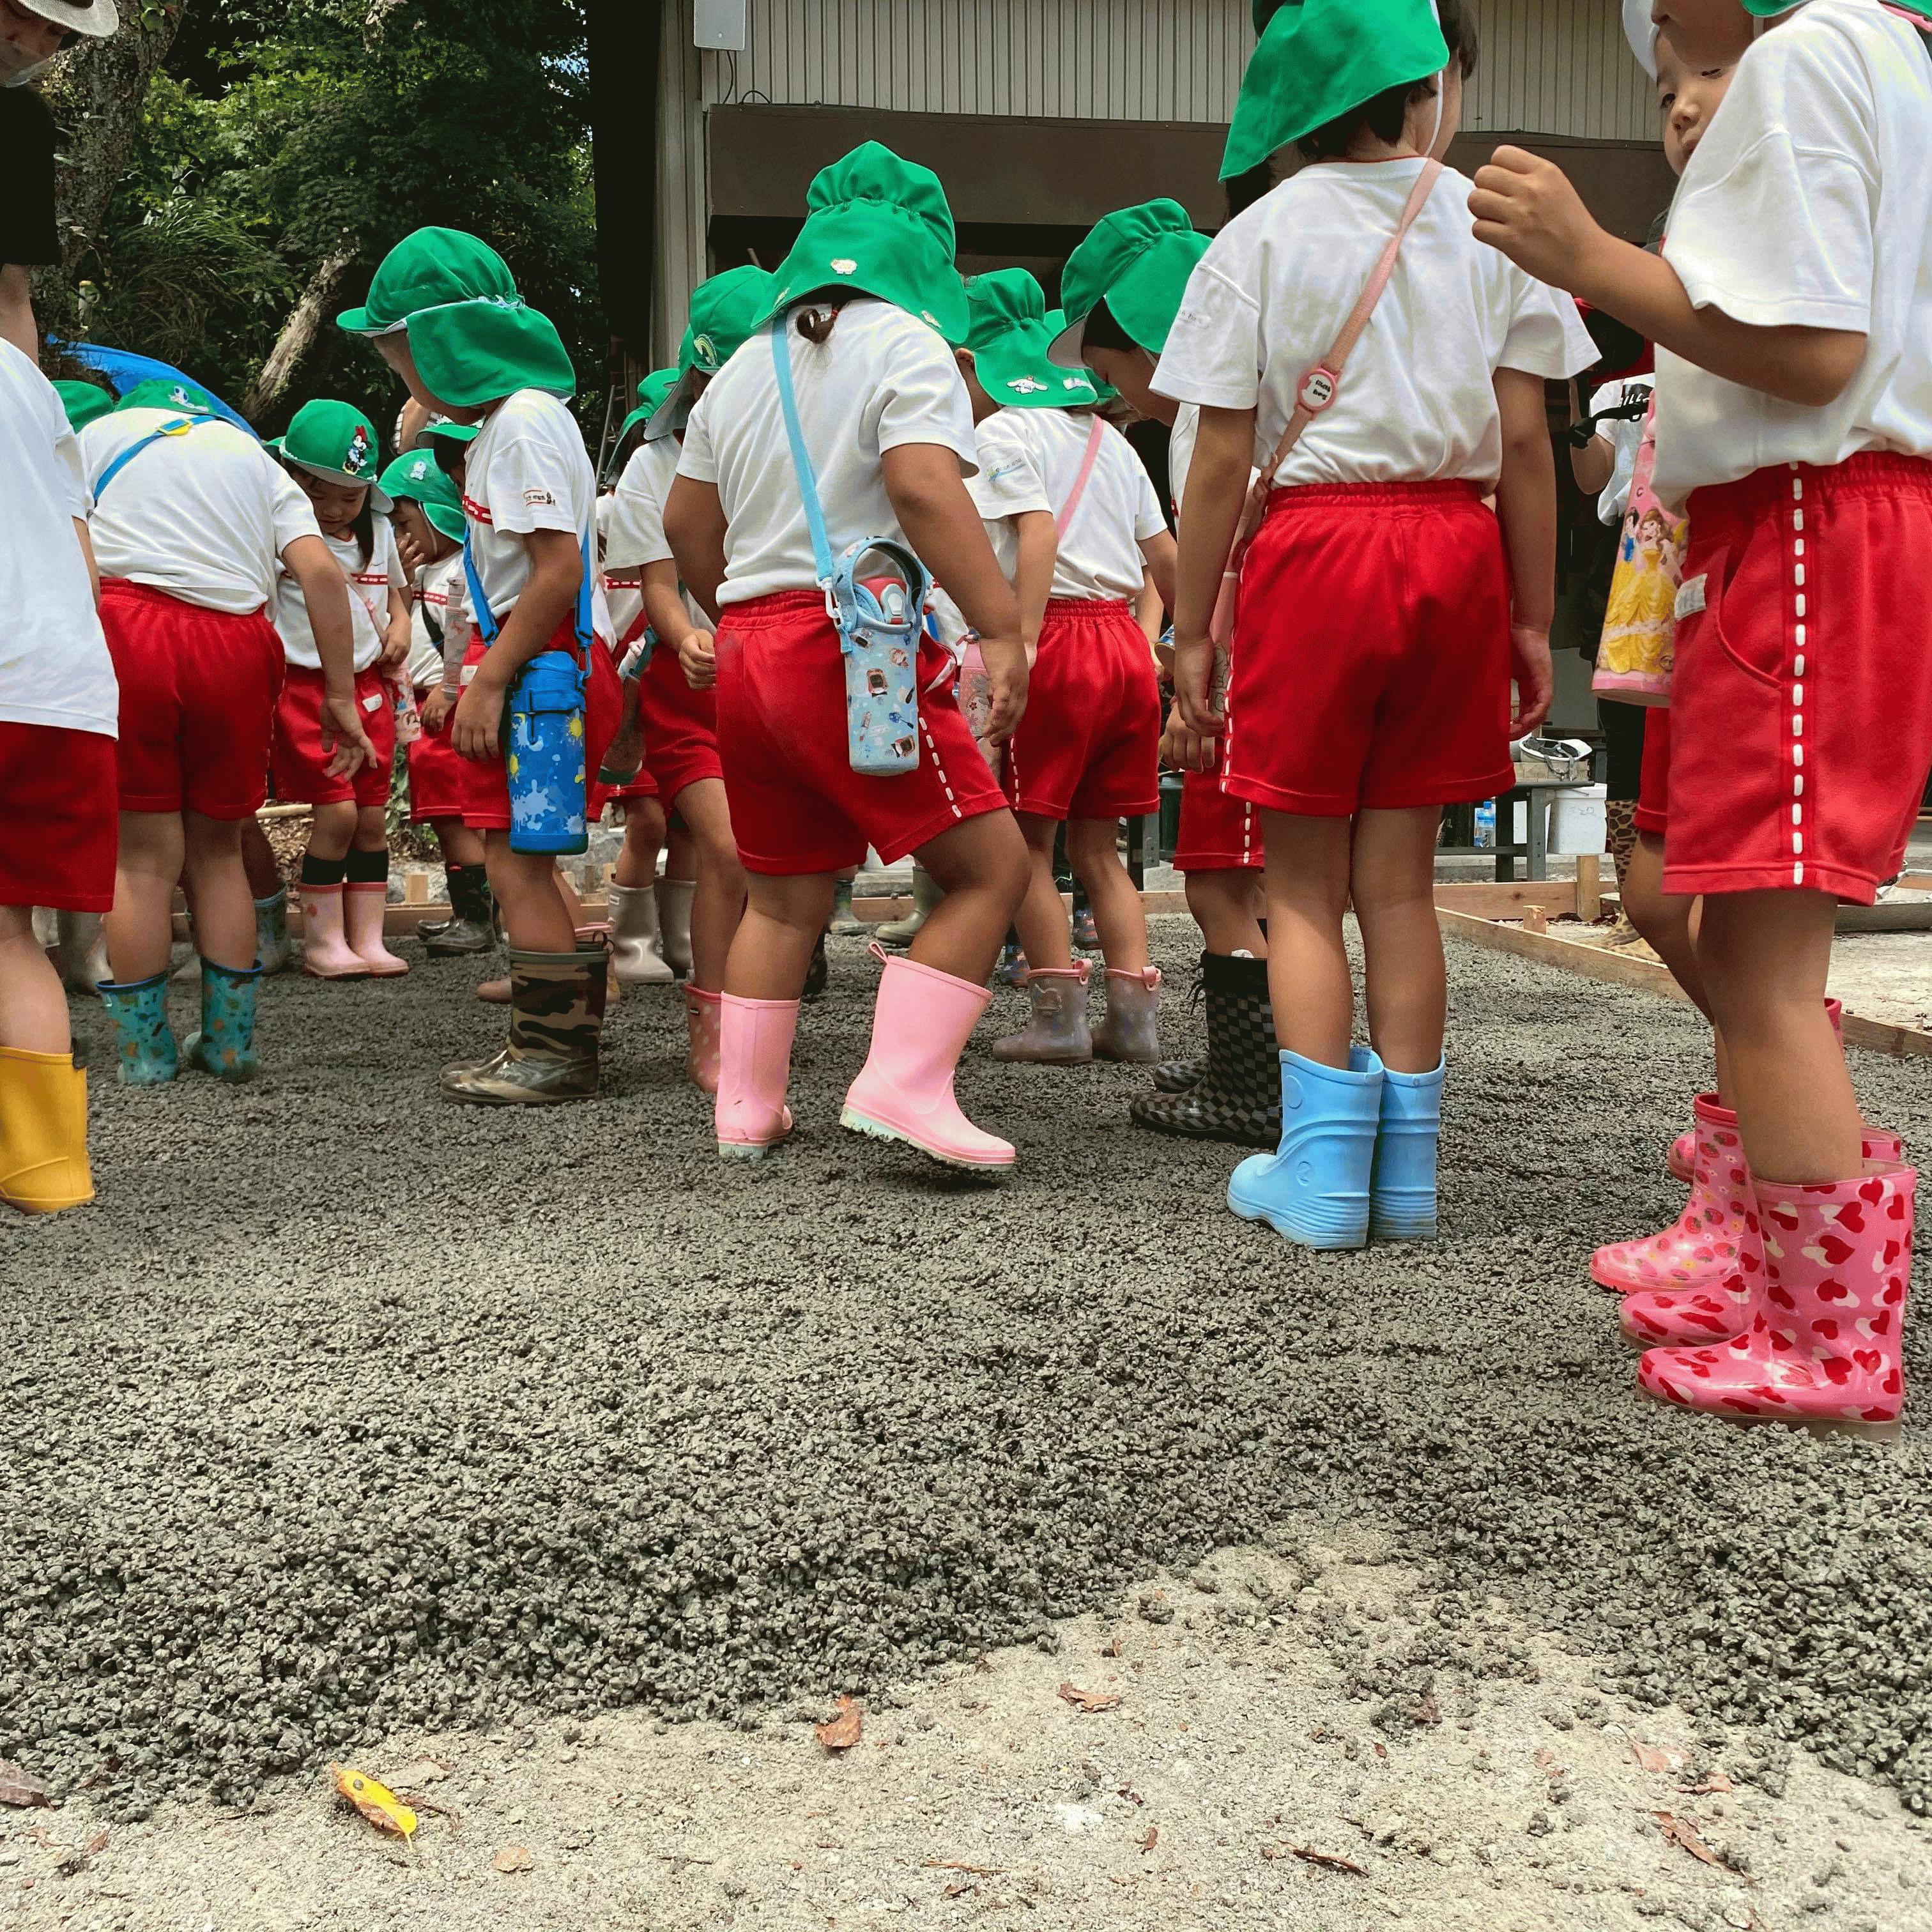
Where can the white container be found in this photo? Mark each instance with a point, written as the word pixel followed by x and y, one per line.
pixel 1580 820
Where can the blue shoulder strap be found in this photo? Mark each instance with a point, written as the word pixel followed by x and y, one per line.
pixel 180 426
pixel 801 457
pixel 485 619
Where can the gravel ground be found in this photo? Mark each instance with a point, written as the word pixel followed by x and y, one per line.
pixel 345 1413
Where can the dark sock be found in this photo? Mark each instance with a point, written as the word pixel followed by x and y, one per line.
pixel 322 871
pixel 369 868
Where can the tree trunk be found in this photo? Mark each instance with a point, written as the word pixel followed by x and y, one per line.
pixel 300 333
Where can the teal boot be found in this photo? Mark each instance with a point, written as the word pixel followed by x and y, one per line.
pixel 144 1052
pixel 271 933
pixel 1315 1190
pixel 1401 1205
pixel 225 1046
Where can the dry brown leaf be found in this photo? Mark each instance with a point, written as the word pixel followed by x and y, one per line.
pixel 1652 1759
pixel 844 1730
pixel 512 1859
pixel 1681 1833
pixel 1087 1701
pixel 20 1789
pixel 377 1802
pixel 1328 1861
pixel 1713 1786
pixel 1151 1838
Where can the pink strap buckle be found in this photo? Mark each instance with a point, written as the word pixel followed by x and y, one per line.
pixel 1318 388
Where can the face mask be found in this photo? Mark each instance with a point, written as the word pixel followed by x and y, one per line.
pixel 15 69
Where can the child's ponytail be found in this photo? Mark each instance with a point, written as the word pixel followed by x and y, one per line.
pixel 817 314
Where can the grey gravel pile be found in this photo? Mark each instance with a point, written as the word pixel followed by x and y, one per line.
pixel 347 1411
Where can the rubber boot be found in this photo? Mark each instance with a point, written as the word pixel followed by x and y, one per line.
pixel 704 1017
pixel 674 897
pixel 271 933
pixel 1057 1034
pixel 1237 1097
pixel 1131 1031
pixel 362 907
pixel 1086 935
pixel 145 1055
pixel 326 954
pixel 920 1027
pixel 846 924
pixel 1315 1190
pixel 1825 1316
pixel 926 896
pixel 817 973
pixel 82 953
pixel 43 1165
pixel 1715 1311
pixel 1012 969
pixel 596 939
pixel 1702 1247
pixel 225 1046
pixel 754 1038
pixel 471 927
pixel 637 946
pixel 556 1017
pixel 1682 1159
pixel 1402 1194
pixel 1179 1076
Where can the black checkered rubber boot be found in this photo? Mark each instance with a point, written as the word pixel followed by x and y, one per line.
pixel 1182 1076
pixel 1238 1096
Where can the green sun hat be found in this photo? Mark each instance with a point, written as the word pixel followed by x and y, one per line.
pixel 429 269
pixel 461 434
pixel 1317 59
pixel 882 226
pixel 417 478
pixel 84 402
pixel 469 353
pixel 726 312
pixel 652 393
pixel 163 392
pixel 1138 260
pixel 1007 332
pixel 338 443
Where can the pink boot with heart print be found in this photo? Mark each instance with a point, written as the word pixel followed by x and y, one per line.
pixel 1682 1159
pixel 1702 1247
pixel 1822 1345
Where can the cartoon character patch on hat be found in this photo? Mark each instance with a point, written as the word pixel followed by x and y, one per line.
pixel 357 458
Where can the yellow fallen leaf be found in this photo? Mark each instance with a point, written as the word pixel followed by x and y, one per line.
pixel 377 1802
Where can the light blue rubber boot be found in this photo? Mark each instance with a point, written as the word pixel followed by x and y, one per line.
pixel 225 1046
pixel 145 1053
pixel 1401 1204
pixel 1315 1190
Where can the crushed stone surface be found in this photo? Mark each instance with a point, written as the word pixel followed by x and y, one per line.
pixel 347 1412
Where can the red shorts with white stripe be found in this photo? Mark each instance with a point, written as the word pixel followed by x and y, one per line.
pixel 436 785
pixel 198 691
pixel 1371 652
pixel 1802 730
pixel 1218 833
pixel 680 727
pixel 1653 794
pixel 1089 744
pixel 63 821
pixel 797 806
pixel 298 764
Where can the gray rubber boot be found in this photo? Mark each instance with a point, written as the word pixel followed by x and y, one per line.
pixel 82 951
pixel 636 947
pixel 674 898
pixel 926 896
pixel 1131 1031
pixel 1057 1035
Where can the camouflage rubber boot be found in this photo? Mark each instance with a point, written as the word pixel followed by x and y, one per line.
pixel 225 1046
pixel 1238 1096
pixel 145 1052
pixel 556 1014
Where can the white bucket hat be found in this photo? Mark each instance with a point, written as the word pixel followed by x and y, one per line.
pixel 1641 31
pixel 98 18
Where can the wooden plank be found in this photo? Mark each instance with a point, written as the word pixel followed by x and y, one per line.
pixel 1505 898
pixel 1589 888
pixel 1913 915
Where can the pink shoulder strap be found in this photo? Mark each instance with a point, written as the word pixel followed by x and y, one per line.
pixel 1096 436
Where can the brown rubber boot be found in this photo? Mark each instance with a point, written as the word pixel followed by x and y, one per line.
pixel 1131 1031
pixel 556 1015
pixel 1057 1035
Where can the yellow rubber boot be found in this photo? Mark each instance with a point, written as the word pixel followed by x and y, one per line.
pixel 42 1132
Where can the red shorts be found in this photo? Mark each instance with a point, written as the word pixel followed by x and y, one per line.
pixel 486 794
pixel 197 702
pixel 436 785
pixel 1804 684
pixel 1089 744
pixel 1218 833
pixel 299 766
pixel 1371 652
pixel 680 727
pixel 797 806
pixel 60 825
pixel 1653 797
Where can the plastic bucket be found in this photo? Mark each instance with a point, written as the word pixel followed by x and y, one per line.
pixel 1580 820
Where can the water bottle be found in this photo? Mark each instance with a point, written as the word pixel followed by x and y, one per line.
pixel 1486 826
pixel 409 719
pixel 879 632
pixel 545 758
pixel 975 688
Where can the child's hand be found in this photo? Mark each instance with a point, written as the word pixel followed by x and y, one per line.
pixel 697 656
pixel 1007 670
pixel 396 644
pixel 1182 750
pixel 1526 207
pixel 436 708
pixel 1193 682
pixel 1535 678
pixel 477 732
pixel 344 741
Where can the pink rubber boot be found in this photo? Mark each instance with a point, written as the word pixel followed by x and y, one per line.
pixel 326 955
pixel 920 1027
pixel 1823 1342
pixel 1701 1248
pixel 754 1038
pixel 1658 1317
pixel 704 1015
pixel 362 921
pixel 1682 1159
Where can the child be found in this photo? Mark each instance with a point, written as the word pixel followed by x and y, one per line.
pixel 58 711
pixel 1375 637
pixel 478 354
pixel 866 307
pixel 194 523
pixel 331 451
pixel 1123 286
pixel 1791 308
pixel 1076 524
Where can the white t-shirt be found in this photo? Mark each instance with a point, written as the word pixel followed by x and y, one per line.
pixel 54 666
pixel 369 587
pixel 882 381
pixel 204 516
pixel 440 598
pixel 1624 439
pixel 1267 301
pixel 1031 459
pixel 626 600
pixel 1808 203
pixel 527 470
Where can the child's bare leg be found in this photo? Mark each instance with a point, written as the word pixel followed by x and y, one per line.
pixel 1306 881
pixel 140 929
pixel 986 871
pixel 217 882
pixel 33 1002
pixel 459 845
pixel 333 832
pixel 1227 907
pixel 1668 922
pixel 372 828
pixel 681 855
pixel 718 904
pixel 644 840
pixel 530 891
pixel 1045 931
pixel 1093 851
pixel 1406 982
pixel 1766 958
pixel 784 918
pixel 264 871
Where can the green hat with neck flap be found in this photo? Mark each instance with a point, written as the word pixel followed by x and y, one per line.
pixel 417 478
pixel 163 392
pixel 426 270
pixel 726 312
pixel 1319 58
pixel 84 402
pixel 652 393
pixel 1009 334
pixel 1137 260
